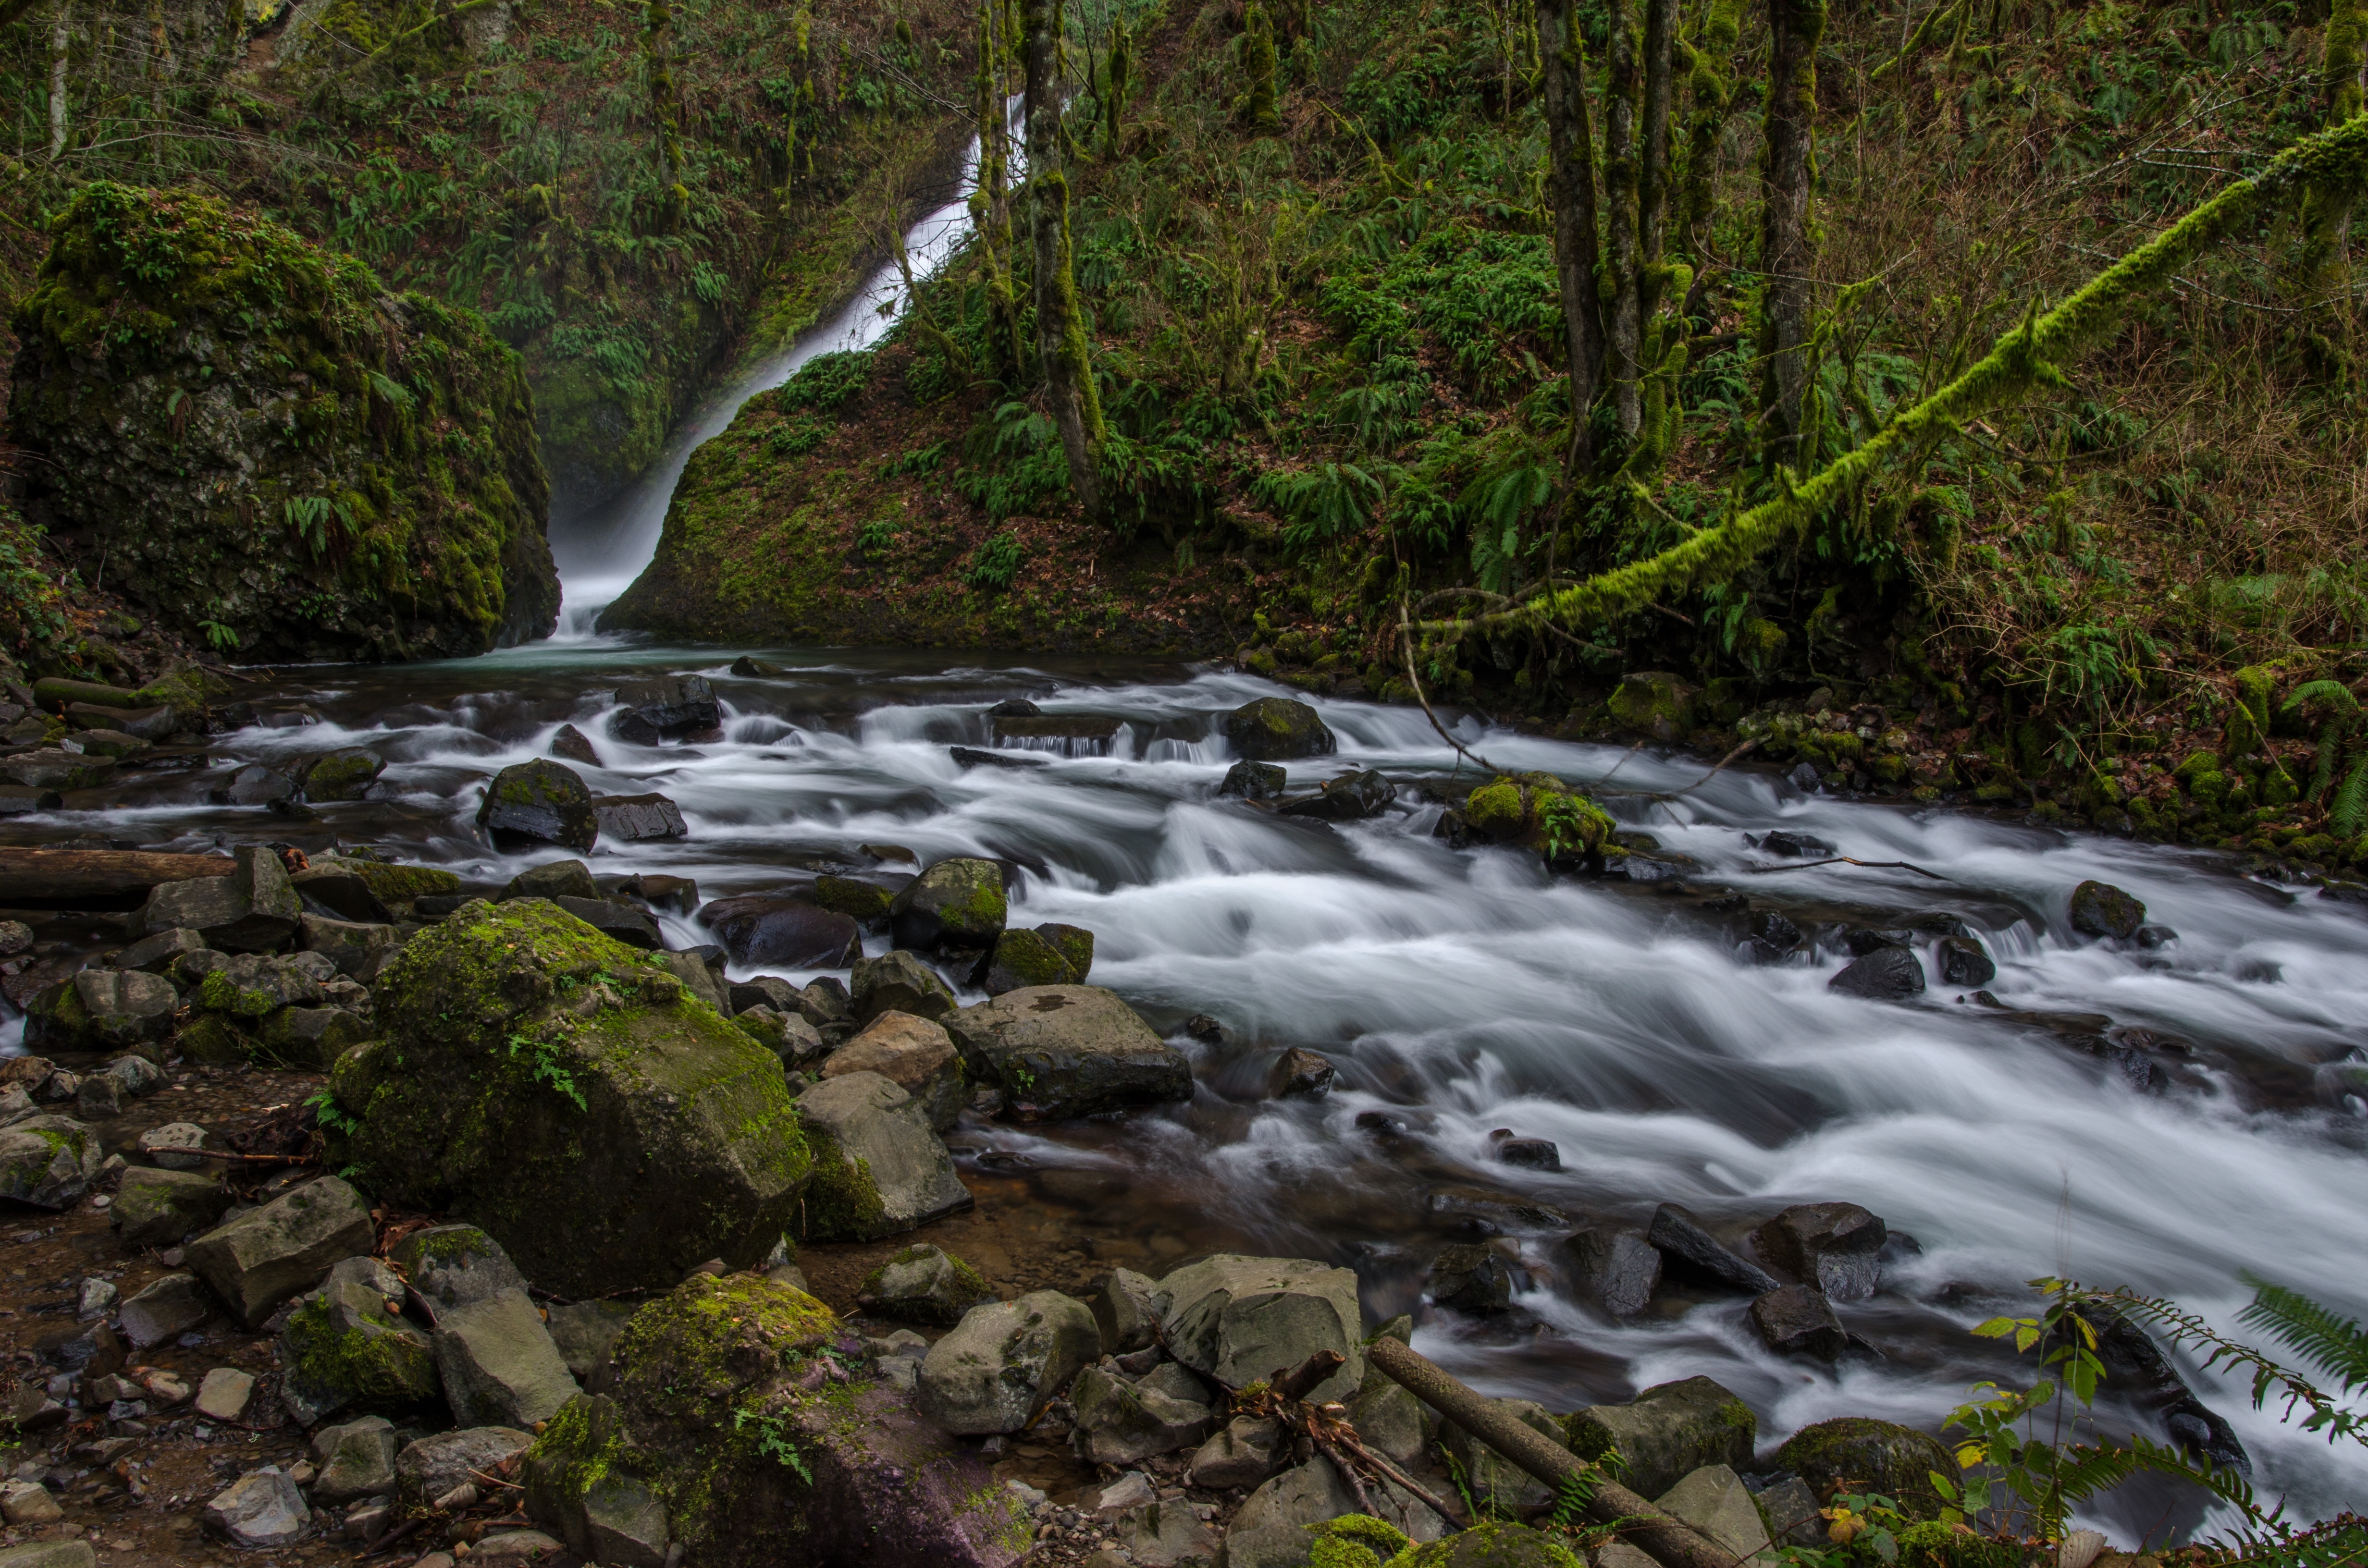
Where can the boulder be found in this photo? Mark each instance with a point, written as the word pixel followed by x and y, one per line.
pixel 626 923
pixel 165 1207
pixel 261 1510
pixel 29 1503
pixel 102 1009
pixel 923 1284
pixel 701 980
pixel 1467 1279
pixel 794 1041
pixel 1299 1073
pixel 345 1349
pixel 572 745
pixel 1351 797
pixel 551 880
pixel 1118 1422
pixel 864 902
pixel 1022 959
pixel 1270 1530
pixel 554 1088
pixel 263 1257
pixel 1125 1310
pixel 251 986
pixel 1244 1454
pixel 431 1467
pixel 338 889
pixel 1075 943
pixel 157 953
pixel 1665 1433
pixel 1254 781
pixel 1963 961
pixel 355 1460
pixel 359 950
pixel 785 932
pixel 175 1146
pixel 542 802
pixel 1277 728
pixel 1716 1502
pixel 957 903
pixel 309 1039
pixel 878 1168
pixel 343 775
pixel 1656 705
pixel 1856 1453
pixel 1063 1051
pixel 585 1332
pixel 253 909
pixel 49 1161
pixel 44 773
pixel 895 982
pixel 499 1366
pixel 1488 1476
pixel 1886 974
pixel 1616 1269
pixel 631 818
pixel 653 710
pixel 1005 1361
pixel 164 1309
pixel 2104 911
pixel 1693 1251
pixel 1796 1320
pixel 915 1055
pixel 761 991
pixel 455 1266
pixel 1393 1422
pixel 1239 1319
pixel 1834 1247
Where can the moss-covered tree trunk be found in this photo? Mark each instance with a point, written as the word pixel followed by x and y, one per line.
pixel 1710 90
pixel 1060 327
pixel 992 198
pixel 2327 214
pixel 1570 136
pixel 1788 245
pixel 61 35
pixel 1623 179
pixel 1258 63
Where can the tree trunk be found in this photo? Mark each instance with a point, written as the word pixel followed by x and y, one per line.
pixel 1623 181
pixel 994 195
pixel 2327 211
pixel 1712 90
pixel 61 33
pixel 1788 245
pixel 1655 178
pixel 1258 63
pixel 1060 327
pixel 657 56
pixel 1571 138
pixel 96 878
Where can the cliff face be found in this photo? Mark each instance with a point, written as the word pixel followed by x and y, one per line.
pixel 253 441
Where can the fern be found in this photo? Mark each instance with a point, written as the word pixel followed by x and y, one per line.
pixel 2330 753
pixel 2352 800
pixel 2334 693
pixel 2336 1346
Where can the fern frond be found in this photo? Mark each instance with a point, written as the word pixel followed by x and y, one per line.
pixel 2334 693
pixel 2336 1346
pixel 2330 752
pixel 2352 800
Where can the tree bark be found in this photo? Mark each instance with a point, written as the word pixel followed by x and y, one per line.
pixel 93 879
pixel 1654 180
pixel 1788 245
pixel 1059 326
pixel 1710 90
pixel 61 34
pixel 657 53
pixel 1623 181
pixel 1571 138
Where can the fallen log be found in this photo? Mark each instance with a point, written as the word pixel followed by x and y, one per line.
pixel 96 878
pixel 1663 1537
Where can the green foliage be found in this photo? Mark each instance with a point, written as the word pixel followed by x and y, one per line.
pixel 771 1437
pixel 875 539
pixel 1354 1541
pixel 328 1114
pixel 547 1062
pixel 995 562
pixel 824 382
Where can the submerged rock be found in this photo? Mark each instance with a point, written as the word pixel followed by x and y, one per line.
pixel 1617 1269
pixel 1886 974
pixel 1797 1320
pixel 1834 1247
pixel 2102 910
pixel 957 903
pixel 1349 799
pixel 1683 1241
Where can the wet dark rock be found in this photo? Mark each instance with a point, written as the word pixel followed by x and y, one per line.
pixel 340 775
pixel 1062 1051
pixel 1796 1320
pixel 654 710
pixel 255 785
pixel 1684 1242
pixel 1963 961
pixel 1773 930
pixel 2136 1367
pixel 676 895
pixel 2102 910
pixel 1074 944
pixel 1529 1153
pixel 1667 1433
pixel 1277 729
pixel 957 903
pixel 865 902
pixel 1202 1027
pixel 1616 1269
pixel 785 932
pixel 924 1285
pixel 1885 976
pixel 895 982
pixel 2154 936
pixel 252 910
pixel 632 818
pixel 971 757
pixel 1351 799
pixel 1794 846
pixel 764 991
pixel 627 923
pixel 1468 1278
pixel 1014 708
pixel 1254 781
pixel 17 801
pixel 573 745
pixel 747 668
pixel 1299 1073
pixel 1863 939
pixel 1478 1210
pixel 1869 1456
pixel 1026 957
pixel 337 890
pixel 552 878
pixel 1126 1313
pixel 541 800
pixel 1835 1246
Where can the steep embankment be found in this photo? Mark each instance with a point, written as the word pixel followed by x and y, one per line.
pixel 1314 250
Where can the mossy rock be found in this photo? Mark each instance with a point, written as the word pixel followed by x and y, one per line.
pixel 1491 1545
pixel 342 775
pixel 342 1349
pixel 1857 1453
pixel 396 886
pixel 957 903
pixel 267 445
pixel 857 900
pixel 1656 705
pixel 1026 957
pixel 1535 810
pixel 210 1039
pixel 1277 728
pixel 2100 909
pixel 567 1095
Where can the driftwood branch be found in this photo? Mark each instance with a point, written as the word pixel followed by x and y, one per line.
pixel 71 878
pixel 1845 860
pixel 1664 1537
pixel 1405 644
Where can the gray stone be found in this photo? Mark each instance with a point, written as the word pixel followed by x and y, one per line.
pixel 1789 1509
pixel 1254 781
pixel 452 1265
pixel 627 923
pixel 284 1248
pixel 1240 1319
pixel 957 903
pixel 431 1467
pixel 629 818
pixel 225 1394
pixel 896 981
pixel 1392 1422
pixel 499 1366
pixel 697 979
pixel 310 1038
pixel 139 1076
pixel 126 1007
pixel 253 909
pixel 1277 728
pixel 1005 1361
pixel 551 880
pixel 98 1098
pixel 345 1347
pixel 922 1284
pixel 584 1332
pixel 1667 1432
pixel 1616 1269
pixel 1715 1502
pixel 1682 1240
pixel 1833 1246
pixel 72 1553
pixel 1064 1051
pixel 342 893
pixel 2102 910
pixel 1244 1453
pixel 572 745
pixel 514 1546
pixel 542 800
pixel 163 1209
pixel 1469 1278
pixel 1270 1531
pixel 48 1162
pixel 1166 1534
pixel 1796 1320
pixel 1886 974
pixel 158 953
pixel 1121 1423
pixel 1494 1481
pixel 355 1460
pixel 913 1053
pixel 359 950
pixel 28 1503
pixel 1128 1315
pixel 618 1521
pixel 94 1300
pixel 262 1509
pixel 879 1169
pixel 1868 1455
pixel 788 933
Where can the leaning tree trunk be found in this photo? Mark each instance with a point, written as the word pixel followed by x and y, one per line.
pixel 1059 326
pixel 1788 245
pixel 1571 139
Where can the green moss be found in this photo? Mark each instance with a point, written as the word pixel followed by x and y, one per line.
pixel 859 901
pixel 388 1371
pixel 1357 1541
pixel 219 994
pixel 1490 1544
pixel 581 1444
pixel 842 1201
pixel 209 1040
pixel 1497 811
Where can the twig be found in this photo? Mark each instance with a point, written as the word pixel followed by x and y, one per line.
pixel 387 1542
pixel 1616 767
pixel 1846 860
pixel 1405 644
pixel 1348 1472
pixel 1714 772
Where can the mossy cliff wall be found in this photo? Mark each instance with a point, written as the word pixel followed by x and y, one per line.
pixel 252 440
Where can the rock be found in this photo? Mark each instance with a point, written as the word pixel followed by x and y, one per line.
pixel 1715 1502
pixel 1277 729
pixel 1270 1530
pixel 48 1162
pixel 1794 846
pixel 261 1509
pixel 540 800
pixel 514 1546
pixel 551 880
pixel 433 1466
pixel 748 668
pixel 1022 959
pixel 915 1055
pixel 499 1366
pixel 1683 1242
pixel 1886 974
pixel 623 921
pixel 2102 910
pixel 1665 1433
pixel 1656 705
pixel 17 801
pixel 1392 1421
pixel 1121 1423
pixel 1617 1269
pixel 585 1332
pixel 956 904
pixel 311 1038
pixel 1005 1361
pixel 260 1260
pixel 1244 1454
pixel 701 979
pixel 1833 1246
pixel 1529 1154
pixel 1466 1278
pixel 157 953
pixel 896 981
pixel 762 991
pixel 73 1552
pixel 605 1142
pixel 1126 1309
pixel 102 1009
pixel 632 818
pixel 613 1519
pixel 673 705
pixel 923 1284
pixel 1299 1073
pixel 794 1041
pixel 1869 1456
pixel 971 757
pixel 356 1459
pixel 359 950
pixel 1789 1509
pixel 1863 939
pixel 165 1207
pixel 1240 1319
pixel 785 932
pixel 29 1503
pixel 250 986
pixel 163 1309
pixel 1254 781
pixel 454 1265
pixel 863 903
pixel 1074 943
pixel 878 1168
pixel 223 1394
pixel 571 744
pixel 94 1300
pixel 1348 799
pixel 253 909
pixel 1963 961
pixel 1488 1474
pixel 1796 1320
pixel 1063 1051
pixel 1166 1534
pixel 98 1098
pixel 343 775
pixel 345 1347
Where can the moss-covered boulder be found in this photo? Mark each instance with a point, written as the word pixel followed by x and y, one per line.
pixel 923 1284
pixel 1277 728
pixel 1858 1453
pixel 957 903
pixel 345 1347
pixel 568 1096
pixel 1492 1545
pixel 267 446
pixel 2102 910
pixel 729 1412
pixel 1654 704
pixel 49 1161
pixel 1064 1051
pixel 1665 1433
pixel 1536 811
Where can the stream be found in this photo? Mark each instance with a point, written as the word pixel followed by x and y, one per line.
pixel 1462 991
